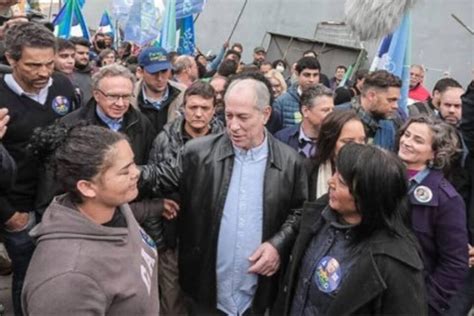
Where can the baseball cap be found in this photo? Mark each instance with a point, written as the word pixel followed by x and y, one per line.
pixel 154 59
pixel 259 49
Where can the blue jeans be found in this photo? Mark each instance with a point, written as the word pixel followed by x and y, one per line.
pixel 20 248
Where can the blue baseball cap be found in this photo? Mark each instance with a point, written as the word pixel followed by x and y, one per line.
pixel 154 59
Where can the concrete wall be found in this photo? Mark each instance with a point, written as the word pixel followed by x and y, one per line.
pixel 439 42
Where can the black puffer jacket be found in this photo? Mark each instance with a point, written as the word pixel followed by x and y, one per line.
pixel 202 177
pixel 167 146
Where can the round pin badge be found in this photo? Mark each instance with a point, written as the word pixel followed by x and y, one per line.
pixel 328 274
pixel 423 194
pixel 60 105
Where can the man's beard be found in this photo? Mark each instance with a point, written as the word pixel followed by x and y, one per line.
pixel 81 66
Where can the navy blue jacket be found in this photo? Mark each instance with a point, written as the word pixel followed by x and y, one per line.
pixel 289 136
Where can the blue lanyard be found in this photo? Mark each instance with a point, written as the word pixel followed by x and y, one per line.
pixel 417 179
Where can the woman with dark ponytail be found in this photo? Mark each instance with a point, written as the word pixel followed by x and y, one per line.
pixel 92 257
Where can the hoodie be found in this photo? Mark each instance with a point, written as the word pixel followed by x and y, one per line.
pixel 80 267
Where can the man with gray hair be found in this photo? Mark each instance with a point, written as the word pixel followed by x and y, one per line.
pixel 112 90
pixel 315 104
pixel 185 70
pixel 237 221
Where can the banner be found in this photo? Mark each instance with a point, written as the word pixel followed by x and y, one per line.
pixel 186 36
pixel 168 31
pixel 185 8
pixel 394 55
pixel 141 27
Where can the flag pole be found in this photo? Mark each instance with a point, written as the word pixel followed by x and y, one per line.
pixel 51 9
pixel 237 22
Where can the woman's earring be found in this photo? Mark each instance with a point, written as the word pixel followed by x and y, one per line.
pixel 430 163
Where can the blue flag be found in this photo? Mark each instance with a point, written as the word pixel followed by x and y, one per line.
pixel 70 21
pixel 106 26
pixel 186 36
pixel 141 27
pixel 185 8
pixel 394 55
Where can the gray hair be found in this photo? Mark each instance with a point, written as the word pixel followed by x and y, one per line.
pixel 309 95
pixel 182 63
pixel 260 90
pixel 28 35
pixel 446 144
pixel 114 70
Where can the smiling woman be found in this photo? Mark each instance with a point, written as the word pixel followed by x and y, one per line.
pixel 428 147
pixel 356 237
pixel 88 237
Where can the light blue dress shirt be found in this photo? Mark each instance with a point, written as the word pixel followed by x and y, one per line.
pixel 113 124
pixel 156 103
pixel 240 231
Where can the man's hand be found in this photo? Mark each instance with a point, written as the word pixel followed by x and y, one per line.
pixel 471 256
pixel 17 222
pixel 4 119
pixel 171 209
pixel 226 44
pixel 265 260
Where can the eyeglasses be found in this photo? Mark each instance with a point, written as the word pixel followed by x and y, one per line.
pixel 113 98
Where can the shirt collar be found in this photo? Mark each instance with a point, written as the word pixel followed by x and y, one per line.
pixel 39 97
pixel 256 153
pixel 299 90
pixel 114 124
pixel 302 136
pixel 155 102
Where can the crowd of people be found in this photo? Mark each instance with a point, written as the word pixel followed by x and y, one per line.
pixel 143 182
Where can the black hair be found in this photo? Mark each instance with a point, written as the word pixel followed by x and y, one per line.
pixel 444 84
pixel 341 67
pixel 28 34
pixel 279 61
pixel 307 63
pixel 81 41
pixel 310 51
pixel 74 153
pixel 63 44
pixel 233 52
pixel 381 79
pixel 227 68
pixel 330 131
pixel 378 183
pixel 342 95
pixel 202 89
